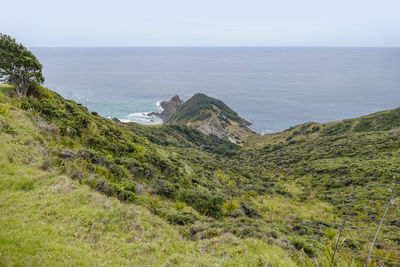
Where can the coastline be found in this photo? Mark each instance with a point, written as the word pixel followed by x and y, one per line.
pixel 146 118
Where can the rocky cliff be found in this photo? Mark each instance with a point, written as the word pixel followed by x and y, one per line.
pixel 169 108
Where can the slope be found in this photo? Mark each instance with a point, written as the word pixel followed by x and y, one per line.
pixel 49 219
pixel 211 116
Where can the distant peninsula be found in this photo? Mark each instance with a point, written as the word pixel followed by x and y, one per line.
pixel 207 114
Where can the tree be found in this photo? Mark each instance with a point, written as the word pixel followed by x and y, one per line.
pixel 18 66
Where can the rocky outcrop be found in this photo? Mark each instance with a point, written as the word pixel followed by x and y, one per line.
pixel 207 114
pixel 169 108
pixel 233 131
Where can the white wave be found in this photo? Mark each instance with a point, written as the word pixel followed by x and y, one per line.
pixel 142 118
pixel 159 105
pixel 268 131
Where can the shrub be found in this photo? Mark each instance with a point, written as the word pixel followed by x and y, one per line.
pixel 181 218
pixel 351 243
pixel 46 164
pixel 46 107
pixel 330 233
pixel 307 247
pixel 165 188
pixel 38 91
pixel 179 205
pixel 363 125
pixel 230 207
pixel 7 128
pixel 315 129
pixel 338 128
pixel 5 110
pixel 206 202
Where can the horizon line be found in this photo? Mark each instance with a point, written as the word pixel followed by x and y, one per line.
pixel 213 46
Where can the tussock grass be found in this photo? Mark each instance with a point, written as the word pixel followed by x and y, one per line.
pixel 289 190
pixel 48 219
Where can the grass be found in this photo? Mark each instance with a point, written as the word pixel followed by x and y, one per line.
pixel 281 209
pixel 92 191
pixel 50 220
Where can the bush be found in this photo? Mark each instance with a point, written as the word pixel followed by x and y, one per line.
pixel 179 205
pixel 315 129
pixel 46 107
pixel 307 247
pixel 338 128
pixel 165 188
pixel 181 218
pixel 206 202
pixel 330 233
pixel 38 91
pixel 7 128
pixel 363 125
pixel 351 243
pixel 230 207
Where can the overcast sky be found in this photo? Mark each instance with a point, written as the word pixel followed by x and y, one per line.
pixel 202 22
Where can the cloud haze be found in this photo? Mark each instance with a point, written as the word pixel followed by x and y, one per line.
pixel 202 23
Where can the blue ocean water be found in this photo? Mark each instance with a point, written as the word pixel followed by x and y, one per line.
pixel 274 88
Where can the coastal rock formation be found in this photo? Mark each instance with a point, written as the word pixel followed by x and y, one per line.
pixel 207 114
pixel 169 108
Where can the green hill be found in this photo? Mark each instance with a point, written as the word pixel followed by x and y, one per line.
pixel 211 116
pixel 199 106
pixel 79 189
pixel 379 121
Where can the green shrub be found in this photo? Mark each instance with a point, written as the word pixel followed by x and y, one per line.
pixel 7 128
pixel 315 129
pixel 179 205
pixel 230 207
pixel 205 201
pixel 46 107
pixel 165 188
pixel 351 243
pixel 307 247
pixel 38 91
pixel 363 126
pixel 338 128
pixel 181 218
pixel 5 110
pixel 330 233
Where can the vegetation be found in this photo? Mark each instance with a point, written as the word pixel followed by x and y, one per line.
pixel 18 66
pixel 182 136
pixel 198 108
pixel 79 189
pixel 285 194
pixel 212 117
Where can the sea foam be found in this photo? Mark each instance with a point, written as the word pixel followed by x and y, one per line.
pixel 142 118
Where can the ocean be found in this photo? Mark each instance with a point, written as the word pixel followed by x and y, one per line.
pixel 274 88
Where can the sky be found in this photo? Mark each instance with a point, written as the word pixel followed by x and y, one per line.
pixel 202 22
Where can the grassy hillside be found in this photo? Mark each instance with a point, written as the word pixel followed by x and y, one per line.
pixel 50 220
pixel 105 192
pixel 379 121
pixel 51 216
pixel 333 161
pixel 183 137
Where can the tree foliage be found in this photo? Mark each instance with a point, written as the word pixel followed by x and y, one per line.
pixel 18 66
